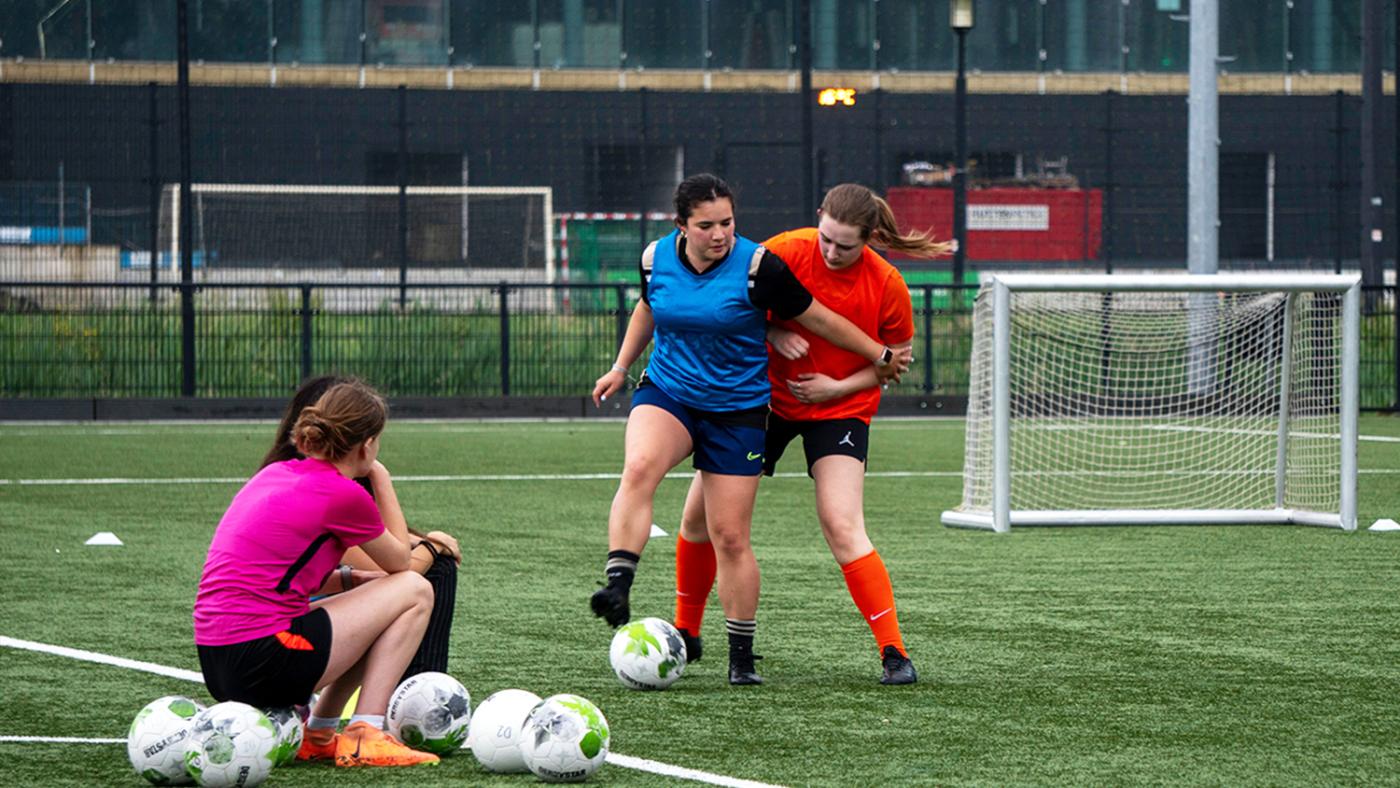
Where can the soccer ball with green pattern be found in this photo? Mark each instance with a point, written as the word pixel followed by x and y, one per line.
pixel 430 712
pixel 565 739
pixel 155 743
pixel 648 654
pixel 290 731
pixel 231 744
pixel 496 729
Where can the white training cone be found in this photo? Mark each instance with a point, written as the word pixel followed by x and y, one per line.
pixel 656 530
pixel 104 538
pixel 1386 524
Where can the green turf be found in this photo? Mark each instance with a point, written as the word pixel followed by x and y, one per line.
pixel 1215 655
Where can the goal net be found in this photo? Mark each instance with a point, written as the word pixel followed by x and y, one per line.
pixel 1162 399
pixel 316 233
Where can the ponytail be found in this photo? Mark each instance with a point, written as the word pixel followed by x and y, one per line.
pixel 853 204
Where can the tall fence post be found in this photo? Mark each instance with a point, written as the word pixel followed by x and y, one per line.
pixel 1338 182
pixel 187 346
pixel 927 351
pixel 1395 342
pixel 1106 225
pixel 505 339
pixel 621 291
pixel 153 174
pixel 306 359
pixel 403 195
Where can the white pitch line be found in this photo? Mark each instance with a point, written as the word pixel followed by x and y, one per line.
pixel 103 659
pixel 586 477
pixel 624 761
pixel 484 477
pixel 57 740
pixel 681 773
pixel 1268 433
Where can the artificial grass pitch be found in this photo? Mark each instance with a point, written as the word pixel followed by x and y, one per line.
pixel 1225 655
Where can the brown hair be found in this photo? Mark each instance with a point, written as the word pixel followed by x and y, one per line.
pixel 348 413
pixel 853 204
pixel 283 448
pixel 699 188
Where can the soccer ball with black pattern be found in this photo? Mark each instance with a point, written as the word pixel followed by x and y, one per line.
pixel 155 743
pixel 430 712
pixel 290 731
pixel 648 654
pixel 566 739
pixel 231 744
pixel 496 729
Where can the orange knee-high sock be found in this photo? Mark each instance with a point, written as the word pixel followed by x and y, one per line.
pixel 869 584
pixel 695 576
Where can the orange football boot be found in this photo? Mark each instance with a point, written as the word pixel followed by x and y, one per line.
pixel 363 744
pixel 318 744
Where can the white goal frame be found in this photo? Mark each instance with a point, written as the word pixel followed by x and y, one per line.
pixel 545 192
pixel 1002 516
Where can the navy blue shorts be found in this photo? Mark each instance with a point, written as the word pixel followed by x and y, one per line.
pixel 727 442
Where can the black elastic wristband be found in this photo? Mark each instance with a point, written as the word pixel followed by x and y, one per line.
pixel 432 548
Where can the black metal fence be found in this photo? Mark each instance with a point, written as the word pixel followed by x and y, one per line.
pixel 442 340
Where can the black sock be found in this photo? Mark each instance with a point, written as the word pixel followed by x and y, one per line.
pixel 741 634
pixel 621 568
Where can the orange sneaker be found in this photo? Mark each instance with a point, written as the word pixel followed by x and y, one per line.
pixel 318 744
pixel 363 744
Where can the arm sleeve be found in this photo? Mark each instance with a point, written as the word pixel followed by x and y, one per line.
pixel 776 290
pixel 355 518
pixel 896 312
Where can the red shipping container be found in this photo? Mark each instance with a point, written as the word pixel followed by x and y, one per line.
pixel 1009 224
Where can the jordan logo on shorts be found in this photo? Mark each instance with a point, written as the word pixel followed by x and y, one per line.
pixel 846 441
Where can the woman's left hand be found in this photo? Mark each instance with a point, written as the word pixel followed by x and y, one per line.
pixel 813 387
pixel 446 543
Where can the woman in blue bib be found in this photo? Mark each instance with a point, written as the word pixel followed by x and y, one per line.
pixel 706 296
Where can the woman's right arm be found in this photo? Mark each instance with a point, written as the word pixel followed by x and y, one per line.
pixel 388 552
pixel 639 331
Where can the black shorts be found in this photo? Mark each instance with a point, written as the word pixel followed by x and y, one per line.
pixel 277 670
pixel 842 437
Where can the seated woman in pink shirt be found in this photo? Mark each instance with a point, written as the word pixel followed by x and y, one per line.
pixel 262 641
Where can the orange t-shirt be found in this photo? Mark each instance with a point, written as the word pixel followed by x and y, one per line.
pixel 869 293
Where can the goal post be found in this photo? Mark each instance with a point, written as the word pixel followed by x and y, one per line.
pixel 491 231
pixel 1162 399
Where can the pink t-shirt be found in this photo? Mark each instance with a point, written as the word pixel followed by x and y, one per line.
pixel 285 531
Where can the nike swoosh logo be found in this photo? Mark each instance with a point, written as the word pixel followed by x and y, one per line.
pixel 681 593
pixel 753 456
pixel 881 613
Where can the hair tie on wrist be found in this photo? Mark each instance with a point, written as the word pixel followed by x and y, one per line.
pixel 619 368
pixel 432 548
pixel 347 577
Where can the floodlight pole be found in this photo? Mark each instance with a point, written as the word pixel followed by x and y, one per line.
pixel 961 19
pixel 804 58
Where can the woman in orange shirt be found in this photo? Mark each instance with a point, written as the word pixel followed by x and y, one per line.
pixel 827 396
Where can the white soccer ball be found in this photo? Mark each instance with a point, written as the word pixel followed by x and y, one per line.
pixel 496 727
pixel 230 744
pixel 430 712
pixel 290 731
pixel 155 743
pixel 648 654
pixel 566 739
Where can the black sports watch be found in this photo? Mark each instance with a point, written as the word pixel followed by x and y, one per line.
pixel 886 356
